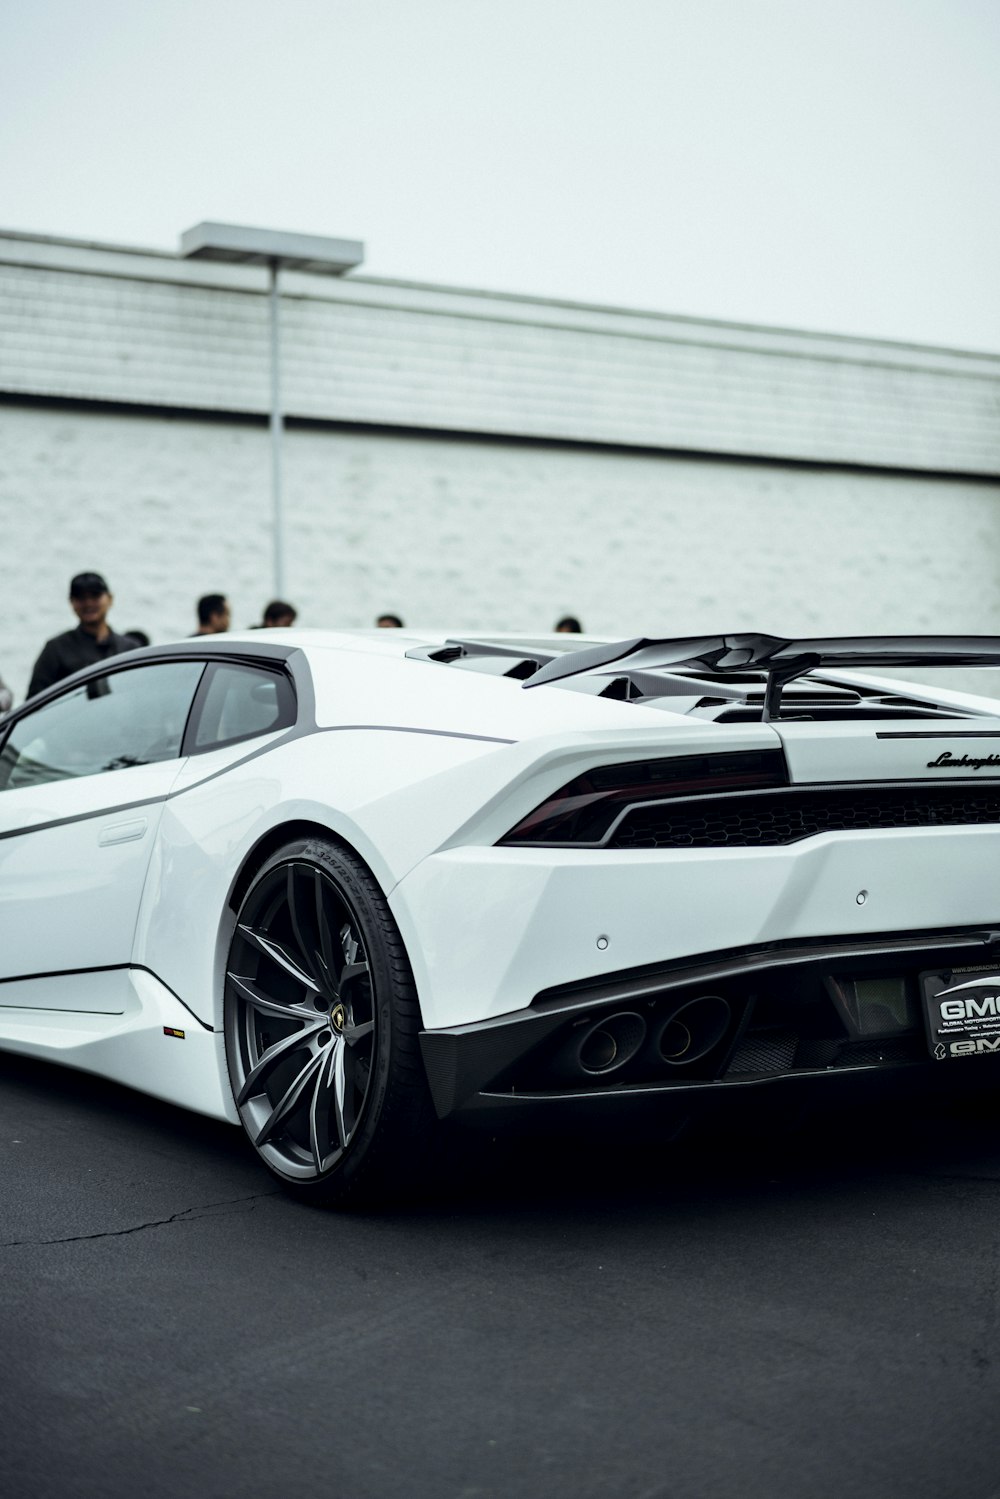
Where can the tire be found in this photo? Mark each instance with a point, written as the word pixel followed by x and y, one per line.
pixel 321 1022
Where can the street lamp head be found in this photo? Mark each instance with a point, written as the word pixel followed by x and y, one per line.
pixel 242 245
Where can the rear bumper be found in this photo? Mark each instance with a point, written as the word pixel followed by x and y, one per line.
pixel 785 1011
pixel 488 929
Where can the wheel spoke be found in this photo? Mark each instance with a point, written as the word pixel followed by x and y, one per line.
pixel 319 1112
pixel 290 1098
pixel 355 1033
pixel 268 1006
pixel 339 1089
pixel 326 954
pixel 299 912
pixel 273 1055
pixel 277 953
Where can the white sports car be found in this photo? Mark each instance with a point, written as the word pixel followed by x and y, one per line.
pixel 335 887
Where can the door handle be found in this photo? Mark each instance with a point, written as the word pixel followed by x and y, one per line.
pixel 122 832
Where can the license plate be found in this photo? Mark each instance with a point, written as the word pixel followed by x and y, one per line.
pixel 962 1012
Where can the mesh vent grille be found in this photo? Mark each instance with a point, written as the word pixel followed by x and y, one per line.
pixel 788 816
pixel 776 1049
pixel 772 1050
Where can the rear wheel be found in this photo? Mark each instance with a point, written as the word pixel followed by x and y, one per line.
pixel 321 1029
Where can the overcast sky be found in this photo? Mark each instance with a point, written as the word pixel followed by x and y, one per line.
pixel 824 164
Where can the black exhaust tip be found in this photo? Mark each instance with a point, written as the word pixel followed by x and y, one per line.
pixel 692 1030
pixel 605 1045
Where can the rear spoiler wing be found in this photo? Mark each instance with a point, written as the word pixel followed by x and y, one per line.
pixel 782 660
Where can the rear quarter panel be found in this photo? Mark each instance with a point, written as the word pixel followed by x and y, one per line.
pixel 363 788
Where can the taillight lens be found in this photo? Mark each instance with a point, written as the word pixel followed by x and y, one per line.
pixel 585 809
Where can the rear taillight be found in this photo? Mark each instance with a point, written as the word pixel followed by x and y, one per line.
pixel 585 810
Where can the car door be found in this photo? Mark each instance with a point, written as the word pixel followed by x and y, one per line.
pixel 83 778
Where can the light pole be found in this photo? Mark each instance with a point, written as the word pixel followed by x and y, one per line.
pixel 278 250
pixel 276 424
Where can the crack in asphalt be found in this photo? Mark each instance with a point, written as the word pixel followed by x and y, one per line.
pixel 190 1215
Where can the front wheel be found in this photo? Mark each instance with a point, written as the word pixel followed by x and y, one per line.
pixel 321 1021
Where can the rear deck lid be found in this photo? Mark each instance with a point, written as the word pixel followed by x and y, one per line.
pixel 891 750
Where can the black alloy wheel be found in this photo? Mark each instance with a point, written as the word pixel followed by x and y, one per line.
pixel 321 1028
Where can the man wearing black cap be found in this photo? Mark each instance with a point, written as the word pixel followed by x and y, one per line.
pixel 93 639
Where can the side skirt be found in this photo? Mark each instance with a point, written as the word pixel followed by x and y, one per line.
pixel 148 1041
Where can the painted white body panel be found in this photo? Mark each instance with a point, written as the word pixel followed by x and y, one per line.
pixel 882 751
pixel 395 797
pixel 423 695
pixel 208 831
pixel 70 893
pixel 127 1044
pixel 488 929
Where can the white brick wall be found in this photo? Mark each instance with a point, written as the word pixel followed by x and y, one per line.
pixel 473 534
pixel 108 325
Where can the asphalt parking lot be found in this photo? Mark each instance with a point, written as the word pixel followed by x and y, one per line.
pixel 815 1315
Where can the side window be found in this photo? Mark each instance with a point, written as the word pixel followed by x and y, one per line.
pixel 130 717
pixel 241 702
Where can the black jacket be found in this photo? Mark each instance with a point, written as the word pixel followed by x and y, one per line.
pixel 65 654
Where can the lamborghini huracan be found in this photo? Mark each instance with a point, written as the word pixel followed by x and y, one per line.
pixel 337 888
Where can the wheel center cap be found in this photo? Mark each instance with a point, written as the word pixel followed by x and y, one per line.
pixel 338 1016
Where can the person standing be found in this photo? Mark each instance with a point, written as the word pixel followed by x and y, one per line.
pixel 93 639
pixel 213 614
